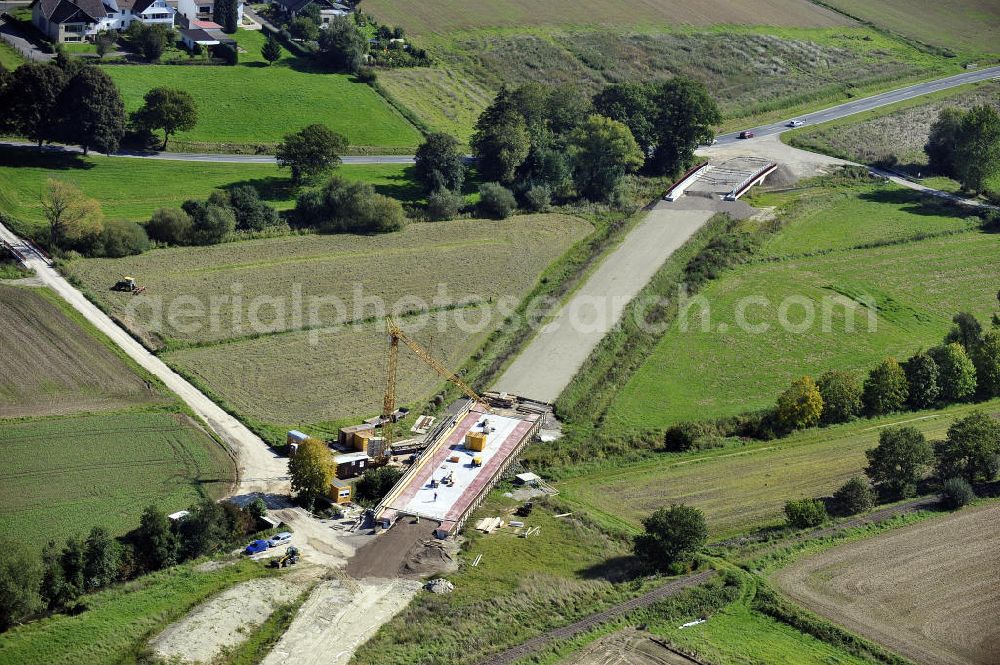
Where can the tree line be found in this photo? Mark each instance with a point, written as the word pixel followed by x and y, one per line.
pixel 80 105
pixel 57 580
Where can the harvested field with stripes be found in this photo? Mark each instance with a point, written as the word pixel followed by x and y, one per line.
pixel 930 591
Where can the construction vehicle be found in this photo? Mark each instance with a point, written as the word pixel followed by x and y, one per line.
pixel 289 558
pixel 396 335
pixel 128 285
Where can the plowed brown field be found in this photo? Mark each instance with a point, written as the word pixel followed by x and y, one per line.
pixel 930 592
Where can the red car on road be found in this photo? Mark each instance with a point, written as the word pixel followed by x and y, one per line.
pixel 746 135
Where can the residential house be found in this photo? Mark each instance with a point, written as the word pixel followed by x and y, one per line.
pixel 76 20
pixel 68 20
pixel 199 10
pixel 205 34
pixel 328 9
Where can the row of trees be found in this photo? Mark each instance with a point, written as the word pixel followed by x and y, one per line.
pixel 31 585
pixel 965 145
pixel 965 366
pixel 903 459
pixel 76 223
pixel 80 105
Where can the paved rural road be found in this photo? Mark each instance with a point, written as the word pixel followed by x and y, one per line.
pixel 211 157
pixel 669 589
pixel 869 103
pixel 260 468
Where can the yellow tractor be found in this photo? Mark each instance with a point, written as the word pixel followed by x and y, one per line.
pixel 289 558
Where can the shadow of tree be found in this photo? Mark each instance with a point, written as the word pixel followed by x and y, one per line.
pixel 55 158
pixel 915 202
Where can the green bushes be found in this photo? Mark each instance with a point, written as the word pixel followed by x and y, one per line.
pixel 444 204
pixel 214 220
pixel 855 496
pixel 956 492
pixel 347 207
pixel 375 484
pixel 496 201
pixel 670 536
pixel 805 513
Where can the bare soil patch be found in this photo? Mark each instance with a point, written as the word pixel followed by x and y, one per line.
pixel 338 617
pixel 226 620
pixel 401 550
pixel 931 591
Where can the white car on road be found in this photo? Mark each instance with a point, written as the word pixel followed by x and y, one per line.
pixel 795 123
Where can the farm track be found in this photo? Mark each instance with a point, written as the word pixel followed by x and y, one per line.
pixel 668 590
pixel 260 469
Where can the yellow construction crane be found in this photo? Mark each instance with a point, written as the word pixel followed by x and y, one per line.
pixel 396 335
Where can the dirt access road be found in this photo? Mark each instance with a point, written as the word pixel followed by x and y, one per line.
pixel 927 591
pixel 260 469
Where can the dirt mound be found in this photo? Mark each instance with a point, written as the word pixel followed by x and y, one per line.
pixel 629 647
pixel 782 178
pixel 427 557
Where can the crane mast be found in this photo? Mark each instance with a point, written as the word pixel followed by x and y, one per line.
pixel 396 335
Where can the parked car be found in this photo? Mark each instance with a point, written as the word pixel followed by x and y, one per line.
pixel 282 538
pixel 256 547
pixel 747 134
pixel 796 123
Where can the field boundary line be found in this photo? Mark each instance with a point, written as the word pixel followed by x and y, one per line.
pixel 900 422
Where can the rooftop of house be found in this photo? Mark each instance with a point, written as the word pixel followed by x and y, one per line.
pixel 71 11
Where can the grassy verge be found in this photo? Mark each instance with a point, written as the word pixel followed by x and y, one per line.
pixel 119 621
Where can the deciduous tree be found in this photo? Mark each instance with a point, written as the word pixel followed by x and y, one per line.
pixel 940 146
pixel 900 460
pixel 686 117
pixel 30 104
pixel 169 110
pixel 841 393
pixel 885 390
pixel 92 111
pixel 20 577
pixel 342 47
pixel 101 559
pixel 800 406
pixel 855 496
pixel 957 374
pixel 603 151
pixel 971 449
pixel 500 143
pixel 311 469
pixel 805 513
pixel 70 213
pixel 155 543
pixel 977 149
pixel 670 535
pixel 310 152
pixel 440 163
pixel 987 361
pixel 922 377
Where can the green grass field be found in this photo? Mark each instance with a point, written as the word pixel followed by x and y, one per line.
pixel 740 488
pixel 827 220
pixel 63 475
pixel 118 621
pixel 253 105
pixel 122 184
pixel 917 287
pixel 968 26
